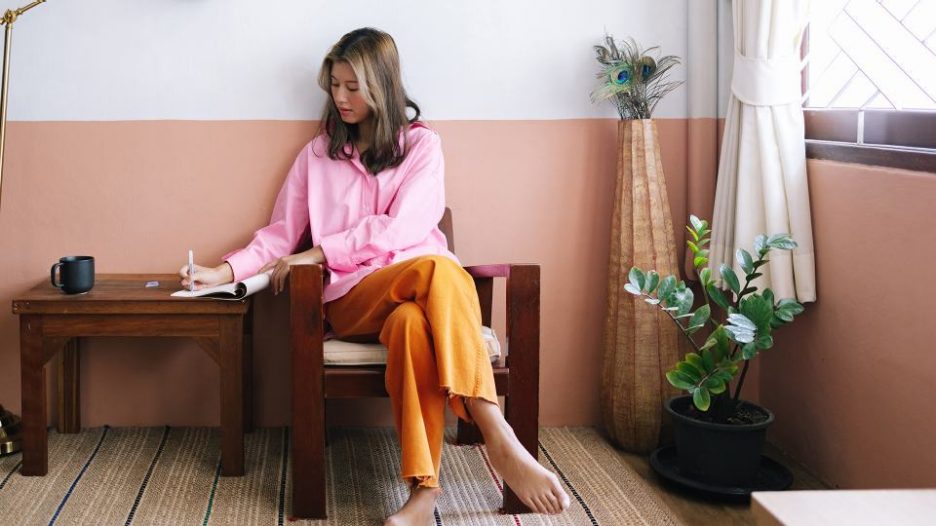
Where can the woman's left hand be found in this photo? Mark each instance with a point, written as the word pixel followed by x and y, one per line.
pixel 281 266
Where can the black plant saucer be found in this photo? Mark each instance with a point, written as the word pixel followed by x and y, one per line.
pixel 771 476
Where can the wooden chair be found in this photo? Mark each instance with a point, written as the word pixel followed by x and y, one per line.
pixel 516 377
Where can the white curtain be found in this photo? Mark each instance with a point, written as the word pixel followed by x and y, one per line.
pixel 762 187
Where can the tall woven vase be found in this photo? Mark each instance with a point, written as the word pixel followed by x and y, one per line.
pixel 641 342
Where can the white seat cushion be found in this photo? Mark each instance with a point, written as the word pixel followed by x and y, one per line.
pixel 338 352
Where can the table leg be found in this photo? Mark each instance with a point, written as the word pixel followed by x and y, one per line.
pixel 69 408
pixel 232 395
pixel 248 372
pixel 32 362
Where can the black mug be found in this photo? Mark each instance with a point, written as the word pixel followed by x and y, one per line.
pixel 76 274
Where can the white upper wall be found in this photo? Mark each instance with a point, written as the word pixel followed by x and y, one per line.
pixel 254 59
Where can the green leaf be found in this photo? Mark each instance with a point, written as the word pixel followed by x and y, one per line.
pixel 697 362
pixel 714 385
pixel 692 246
pixel 791 305
pixel 707 359
pixel 749 351
pixel 706 276
pixel 701 399
pixel 700 316
pixel 781 242
pixel 695 236
pixel 740 335
pixel 724 375
pixel 721 346
pixel 653 279
pixel 768 295
pixel 697 224
pixel 679 380
pixel 785 310
pixel 745 260
pixel 636 277
pixel 667 285
pixel 760 243
pixel 742 321
pixel 731 279
pixel 759 310
pixel 683 300
pixel 716 294
pixel 764 342
pixel 629 287
pixel 740 329
pixel 690 371
pixel 699 261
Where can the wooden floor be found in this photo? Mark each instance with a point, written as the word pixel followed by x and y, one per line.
pixel 699 511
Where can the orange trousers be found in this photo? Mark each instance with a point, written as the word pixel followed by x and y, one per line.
pixel 425 310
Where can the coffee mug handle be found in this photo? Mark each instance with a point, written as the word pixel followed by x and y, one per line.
pixel 54 284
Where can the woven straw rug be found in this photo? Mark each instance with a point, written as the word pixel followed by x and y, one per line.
pixel 171 476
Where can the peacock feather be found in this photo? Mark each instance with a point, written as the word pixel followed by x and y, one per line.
pixel 632 78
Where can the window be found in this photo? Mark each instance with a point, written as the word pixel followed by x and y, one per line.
pixel 870 82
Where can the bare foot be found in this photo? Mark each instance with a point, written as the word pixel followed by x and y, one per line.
pixel 418 510
pixel 536 486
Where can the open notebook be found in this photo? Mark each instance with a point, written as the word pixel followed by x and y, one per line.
pixel 230 291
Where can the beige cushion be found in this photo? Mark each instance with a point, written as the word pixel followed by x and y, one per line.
pixel 338 352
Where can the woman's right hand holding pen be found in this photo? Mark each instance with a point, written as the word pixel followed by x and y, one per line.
pixel 207 276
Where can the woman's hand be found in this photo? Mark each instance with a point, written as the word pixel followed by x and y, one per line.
pixel 207 276
pixel 281 266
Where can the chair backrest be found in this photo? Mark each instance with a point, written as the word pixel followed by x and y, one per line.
pixel 445 225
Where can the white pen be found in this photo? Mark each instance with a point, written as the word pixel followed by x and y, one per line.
pixel 191 271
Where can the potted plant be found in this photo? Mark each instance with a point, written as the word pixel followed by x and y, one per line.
pixel 719 436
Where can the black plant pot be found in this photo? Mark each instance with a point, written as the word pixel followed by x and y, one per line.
pixel 717 454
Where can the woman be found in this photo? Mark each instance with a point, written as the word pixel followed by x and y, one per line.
pixel 369 191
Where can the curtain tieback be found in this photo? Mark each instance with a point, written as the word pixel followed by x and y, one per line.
pixel 766 81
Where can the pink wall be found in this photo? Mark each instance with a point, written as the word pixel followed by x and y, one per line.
pixel 137 195
pixel 853 382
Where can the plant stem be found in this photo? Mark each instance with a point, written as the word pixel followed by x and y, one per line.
pixel 670 314
pixel 747 279
pixel 737 390
pixel 734 351
pixel 683 329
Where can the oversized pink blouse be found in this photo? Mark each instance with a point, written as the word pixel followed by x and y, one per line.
pixel 362 222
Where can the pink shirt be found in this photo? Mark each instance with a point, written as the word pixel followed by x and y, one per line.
pixel 362 222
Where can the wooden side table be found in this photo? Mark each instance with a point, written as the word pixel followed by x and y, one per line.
pixel 852 507
pixel 52 323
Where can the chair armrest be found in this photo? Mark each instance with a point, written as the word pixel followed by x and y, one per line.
pixel 489 271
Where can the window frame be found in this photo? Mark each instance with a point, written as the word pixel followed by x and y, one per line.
pixel 904 139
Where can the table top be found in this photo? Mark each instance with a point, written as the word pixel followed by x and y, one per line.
pixel 853 507
pixel 122 294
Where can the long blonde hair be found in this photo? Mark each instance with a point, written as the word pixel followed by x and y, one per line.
pixel 372 55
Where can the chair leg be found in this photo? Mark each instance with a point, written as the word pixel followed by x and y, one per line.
pixel 522 404
pixel 524 419
pixel 308 393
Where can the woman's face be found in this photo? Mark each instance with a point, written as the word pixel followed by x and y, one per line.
pixel 346 94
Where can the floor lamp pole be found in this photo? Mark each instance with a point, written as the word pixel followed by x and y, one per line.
pixel 8 18
pixel 9 423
